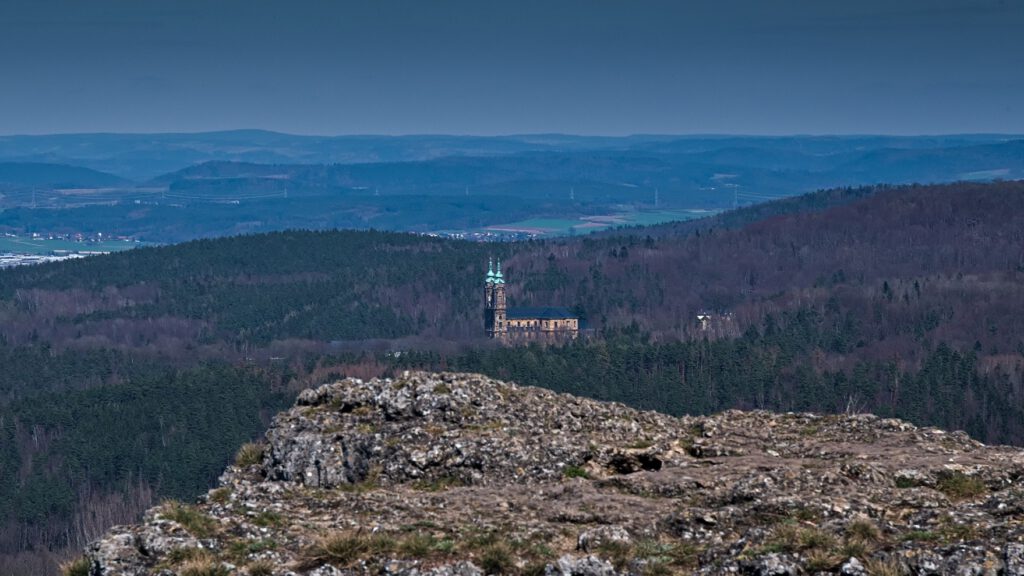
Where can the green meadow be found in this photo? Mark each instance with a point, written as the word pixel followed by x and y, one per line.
pixel 27 245
pixel 587 224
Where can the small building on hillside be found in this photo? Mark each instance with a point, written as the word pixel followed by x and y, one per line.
pixel 548 324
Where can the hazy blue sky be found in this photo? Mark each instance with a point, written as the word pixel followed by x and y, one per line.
pixel 488 67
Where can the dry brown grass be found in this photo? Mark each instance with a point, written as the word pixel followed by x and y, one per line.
pixel 885 568
pixel 249 454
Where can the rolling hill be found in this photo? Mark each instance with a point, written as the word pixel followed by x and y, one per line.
pixel 20 175
pixel 457 185
pixel 903 301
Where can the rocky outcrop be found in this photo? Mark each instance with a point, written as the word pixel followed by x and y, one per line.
pixel 461 474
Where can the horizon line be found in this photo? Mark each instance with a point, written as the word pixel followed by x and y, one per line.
pixel 527 134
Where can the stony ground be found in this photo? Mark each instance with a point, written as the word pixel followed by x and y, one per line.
pixel 461 474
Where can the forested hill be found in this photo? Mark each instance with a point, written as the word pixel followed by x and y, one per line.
pixel 26 175
pixel 945 257
pixel 133 376
pixel 243 183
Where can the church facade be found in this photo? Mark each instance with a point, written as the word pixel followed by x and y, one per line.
pixel 549 325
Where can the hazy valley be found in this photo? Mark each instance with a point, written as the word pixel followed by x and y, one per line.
pixel 171 188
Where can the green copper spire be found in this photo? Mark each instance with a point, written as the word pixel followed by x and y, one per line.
pixel 498 279
pixel 490 270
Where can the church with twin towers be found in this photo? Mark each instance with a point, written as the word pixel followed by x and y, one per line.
pixel 547 325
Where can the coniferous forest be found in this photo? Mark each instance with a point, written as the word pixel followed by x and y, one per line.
pixel 133 377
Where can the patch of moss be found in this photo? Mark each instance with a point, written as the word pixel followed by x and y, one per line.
pixel 575 472
pixel 239 550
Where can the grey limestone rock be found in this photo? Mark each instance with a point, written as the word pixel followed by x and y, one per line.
pixel 852 567
pixel 770 565
pixel 585 566
pixel 1013 557
pixel 594 539
pixel 460 474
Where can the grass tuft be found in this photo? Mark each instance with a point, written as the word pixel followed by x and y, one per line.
pixel 191 518
pixel 78 567
pixel 960 486
pixel 863 529
pixel 662 555
pixel 617 552
pixel 179 556
pixel 496 559
pixel 420 545
pixel 789 537
pixel 204 567
pixel 260 568
pixel 815 539
pixel 250 454
pixel 268 518
pixel 822 560
pixel 220 495
pixel 342 549
pixel 891 567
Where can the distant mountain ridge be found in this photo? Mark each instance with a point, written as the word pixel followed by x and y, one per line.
pixel 253 181
pixel 41 174
pixel 145 156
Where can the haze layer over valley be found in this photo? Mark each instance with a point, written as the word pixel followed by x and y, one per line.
pixel 175 187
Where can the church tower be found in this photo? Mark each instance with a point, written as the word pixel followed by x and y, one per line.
pixel 495 321
pixel 489 286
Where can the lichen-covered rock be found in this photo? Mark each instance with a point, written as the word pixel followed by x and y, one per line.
pixel 463 475
pixel 770 565
pixel 602 536
pixel 469 429
pixel 1013 557
pixel 852 567
pixel 586 566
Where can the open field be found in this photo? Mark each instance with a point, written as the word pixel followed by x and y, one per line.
pixel 586 224
pixel 26 245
